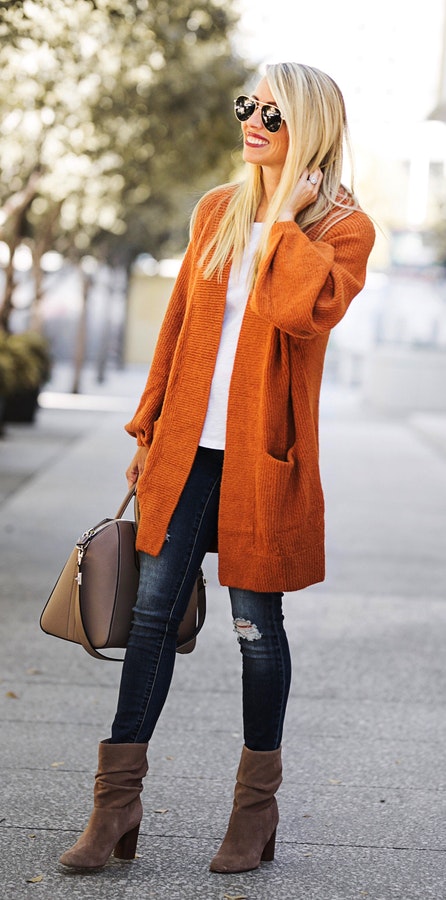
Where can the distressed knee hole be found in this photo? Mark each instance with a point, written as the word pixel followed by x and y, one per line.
pixel 247 630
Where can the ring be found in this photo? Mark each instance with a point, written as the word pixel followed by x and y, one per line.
pixel 313 178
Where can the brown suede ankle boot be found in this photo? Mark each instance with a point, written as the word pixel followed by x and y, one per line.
pixel 114 822
pixel 251 833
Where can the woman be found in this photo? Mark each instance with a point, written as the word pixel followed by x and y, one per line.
pixel 227 444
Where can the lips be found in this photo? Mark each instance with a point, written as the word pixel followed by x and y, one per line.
pixel 255 140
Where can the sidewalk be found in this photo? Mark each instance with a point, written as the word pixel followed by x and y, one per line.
pixel 363 803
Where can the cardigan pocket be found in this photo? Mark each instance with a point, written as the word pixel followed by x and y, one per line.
pixel 289 508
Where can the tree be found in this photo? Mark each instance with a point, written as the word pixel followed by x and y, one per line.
pixel 118 113
pixel 125 110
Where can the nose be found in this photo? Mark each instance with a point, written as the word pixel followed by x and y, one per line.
pixel 256 118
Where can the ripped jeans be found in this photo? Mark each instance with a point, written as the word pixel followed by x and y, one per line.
pixel 166 582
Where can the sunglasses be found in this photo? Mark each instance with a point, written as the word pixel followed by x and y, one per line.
pixel 245 107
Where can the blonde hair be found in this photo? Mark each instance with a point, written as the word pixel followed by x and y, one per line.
pixel 313 108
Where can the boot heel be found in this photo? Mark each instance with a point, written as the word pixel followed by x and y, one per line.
pixel 126 846
pixel 268 851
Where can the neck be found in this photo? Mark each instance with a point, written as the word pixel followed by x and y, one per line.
pixel 270 181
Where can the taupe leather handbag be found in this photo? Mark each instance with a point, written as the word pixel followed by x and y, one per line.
pixel 92 600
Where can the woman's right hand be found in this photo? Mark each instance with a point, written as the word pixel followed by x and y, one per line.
pixel 136 467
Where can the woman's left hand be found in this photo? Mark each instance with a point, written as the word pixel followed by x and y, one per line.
pixel 305 193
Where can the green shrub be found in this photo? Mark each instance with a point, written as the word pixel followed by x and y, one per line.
pixel 25 362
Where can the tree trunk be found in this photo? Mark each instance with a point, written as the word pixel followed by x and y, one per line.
pixel 122 327
pixel 39 245
pixel 7 305
pixel 81 337
pixel 107 287
pixel 35 317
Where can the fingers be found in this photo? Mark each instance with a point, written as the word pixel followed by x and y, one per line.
pixel 314 179
pixel 131 476
pixel 136 466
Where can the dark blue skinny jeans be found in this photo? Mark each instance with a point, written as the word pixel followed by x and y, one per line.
pixel 166 583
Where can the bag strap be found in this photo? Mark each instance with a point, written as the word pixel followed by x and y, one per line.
pixel 201 603
pixel 88 646
pixel 82 634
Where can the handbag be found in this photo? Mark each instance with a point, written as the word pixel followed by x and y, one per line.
pixel 93 598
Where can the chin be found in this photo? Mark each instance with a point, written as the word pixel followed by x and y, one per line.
pixel 252 156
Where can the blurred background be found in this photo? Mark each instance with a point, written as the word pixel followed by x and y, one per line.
pixel 117 116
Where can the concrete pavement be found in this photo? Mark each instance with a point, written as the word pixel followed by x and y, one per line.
pixel 363 803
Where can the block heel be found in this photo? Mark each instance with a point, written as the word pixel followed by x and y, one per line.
pixel 268 850
pixel 126 846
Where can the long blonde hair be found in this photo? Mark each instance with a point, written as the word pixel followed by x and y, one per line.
pixel 313 108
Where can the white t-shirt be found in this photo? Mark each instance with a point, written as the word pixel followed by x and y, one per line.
pixel 214 428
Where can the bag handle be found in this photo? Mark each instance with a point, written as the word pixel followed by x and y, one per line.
pixel 131 493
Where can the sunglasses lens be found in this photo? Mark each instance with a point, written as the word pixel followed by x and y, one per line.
pixel 244 108
pixel 271 118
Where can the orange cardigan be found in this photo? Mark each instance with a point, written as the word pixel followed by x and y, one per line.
pixel 271 515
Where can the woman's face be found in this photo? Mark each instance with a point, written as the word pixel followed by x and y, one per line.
pixel 262 147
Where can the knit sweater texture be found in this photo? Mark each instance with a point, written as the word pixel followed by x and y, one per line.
pixel 271 514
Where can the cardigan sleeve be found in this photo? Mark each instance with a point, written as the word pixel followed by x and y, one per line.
pixel 304 286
